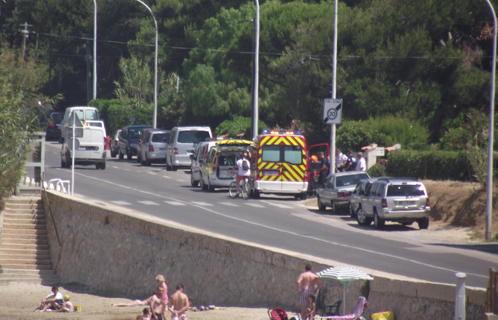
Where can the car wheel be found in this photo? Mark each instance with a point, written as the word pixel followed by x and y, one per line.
pixel 139 157
pixel 173 168
pixel 63 165
pixel 102 166
pixel 69 162
pixel 192 181
pixel 378 222
pixel 304 195
pixel 129 155
pixel 202 184
pixel 121 156
pixel 147 160
pixel 423 223
pixel 362 218
pixel 321 206
pixel 352 214
pixel 168 168
pixel 334 208
pixel 256 194
pixel 97 166
pixel 210 187
pixel 407 223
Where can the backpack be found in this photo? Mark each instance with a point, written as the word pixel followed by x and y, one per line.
pixel 245 165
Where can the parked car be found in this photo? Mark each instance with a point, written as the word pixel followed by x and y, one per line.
pixel 182 143
pixel 114 147
pixel 154 147
pixel 215 172
pixel 128 140
pixel 197 161
pixel 402 200
pixel 139 144
pixel 362 189
pixel 54 126
pixel 337 189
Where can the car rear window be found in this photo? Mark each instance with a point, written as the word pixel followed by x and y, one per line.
pixel 192 136
pixel 57 117
pixel 405 190
pixel 278 153
pixel 350 180
pixel 160 137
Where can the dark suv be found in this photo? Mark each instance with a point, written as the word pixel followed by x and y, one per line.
pixel 128 140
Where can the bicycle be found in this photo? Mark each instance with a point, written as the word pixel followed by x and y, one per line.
pixel 244 188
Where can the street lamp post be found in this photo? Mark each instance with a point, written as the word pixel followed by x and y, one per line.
pixel 154 119
pixel 489 179
pixel 334 80
pixel 94 49
pixel 256 73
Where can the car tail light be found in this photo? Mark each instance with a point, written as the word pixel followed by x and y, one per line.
pixel 427 202
pixel 343 194
pixel 51 125
pixel 384 203
pixel 175 150
pixel 151 148
pixel 115 142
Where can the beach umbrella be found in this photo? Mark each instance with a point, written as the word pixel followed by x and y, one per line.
pixel 345 275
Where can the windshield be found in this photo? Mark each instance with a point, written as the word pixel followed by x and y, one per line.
pixel 405 190
pixel 192 136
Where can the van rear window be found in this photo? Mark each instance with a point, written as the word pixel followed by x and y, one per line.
pixel 160 137
pixel 405 190
pixel 192 136
pixel 289 154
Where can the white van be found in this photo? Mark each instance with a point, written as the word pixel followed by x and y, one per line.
pixel 182 143
pixel 84 113
pixel 89 149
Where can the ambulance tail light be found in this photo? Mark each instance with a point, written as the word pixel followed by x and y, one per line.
pixel 175 150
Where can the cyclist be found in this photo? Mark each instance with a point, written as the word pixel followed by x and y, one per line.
pixel 244 169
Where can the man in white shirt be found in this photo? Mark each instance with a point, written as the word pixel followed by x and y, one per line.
pixel 340 160
pixel 244 169
pixel 54 300
pixel 361 165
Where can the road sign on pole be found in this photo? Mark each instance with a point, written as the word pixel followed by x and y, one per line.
pixel 332 111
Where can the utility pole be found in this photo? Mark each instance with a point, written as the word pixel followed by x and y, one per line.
pixel 25 34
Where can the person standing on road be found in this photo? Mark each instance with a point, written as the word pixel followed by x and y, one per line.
pixel 306 286
pixel 244 169
pixel 324 168
pixel 340 160
pixel 361 165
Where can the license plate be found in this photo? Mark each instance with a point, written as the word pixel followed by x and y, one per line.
pixel 225 175
pixel 405 203
pixel 270 173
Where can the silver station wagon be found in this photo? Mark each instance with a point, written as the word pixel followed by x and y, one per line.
pixel 337 189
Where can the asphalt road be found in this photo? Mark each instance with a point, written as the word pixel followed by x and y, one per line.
pixel 279 222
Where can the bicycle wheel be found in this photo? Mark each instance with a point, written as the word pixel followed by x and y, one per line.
pixel 232 190
pixel 244 189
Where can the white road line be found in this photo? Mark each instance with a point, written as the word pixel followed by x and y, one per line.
pixel 127 169
pixel 152 173
pixel 121 203
pixel 299 235
pixel 115 167
pixel 148 203
pixel 203 204
pixel 175 203
pixel 229 204
pixel 167 177
pixel 180 180
pixel 255 205
pixel 279 205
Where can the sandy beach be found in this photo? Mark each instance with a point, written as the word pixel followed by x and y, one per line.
pixel 18 300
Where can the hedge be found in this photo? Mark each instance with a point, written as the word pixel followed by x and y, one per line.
pixel 434 165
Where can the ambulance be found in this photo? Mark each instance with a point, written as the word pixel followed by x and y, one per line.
pixel 279 164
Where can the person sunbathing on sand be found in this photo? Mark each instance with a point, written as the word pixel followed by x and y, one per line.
pixel 135 303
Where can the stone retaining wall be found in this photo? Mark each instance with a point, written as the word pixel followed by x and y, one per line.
pixel 119 252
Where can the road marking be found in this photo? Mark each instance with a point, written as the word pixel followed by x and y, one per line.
pixel 229 204
pixel 255 205
pixel 121 203
pixel 148 203
pixel 278 205
pixel 115 167
pixel 152 173
pixel 175 203
pixel 275 229
pixel 127 169
pixel 167 177
pixel 180 180
pixel 203 204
